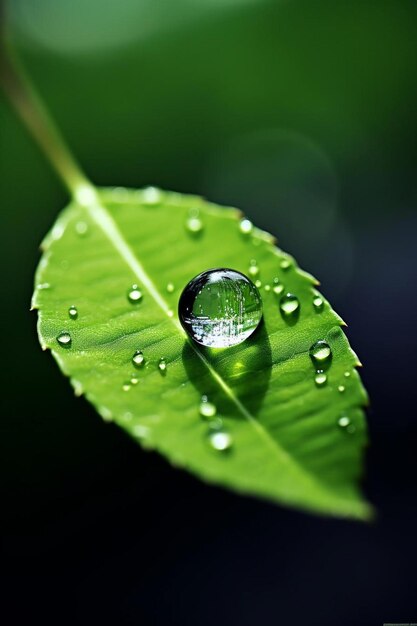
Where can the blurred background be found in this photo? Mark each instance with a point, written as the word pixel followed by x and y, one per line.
pixel 304 115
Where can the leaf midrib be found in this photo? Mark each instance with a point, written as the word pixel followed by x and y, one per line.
pixel 107 224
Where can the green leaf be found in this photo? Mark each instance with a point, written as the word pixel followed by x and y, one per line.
pixel 287 443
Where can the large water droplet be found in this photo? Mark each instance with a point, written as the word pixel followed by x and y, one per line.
pixel 135 295
pixel 64 339
pixel 220 308
pixel 162 365
pixel 73 312
pixel 245 226
pixel 321 353
pixel 207 409
pixel 138 359
pixel 220 440
pixel 194 224
pixel 320 378
pixel 289 305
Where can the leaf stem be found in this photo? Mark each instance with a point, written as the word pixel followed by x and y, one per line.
pixel 31 110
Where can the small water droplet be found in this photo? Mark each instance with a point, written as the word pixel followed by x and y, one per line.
pixel 253 268
pixel 138 359
pixel 162 365
pixel 289 305
pixel 134 380
pixel 267 287
pixel 170 313
pixel 341 388
pixel 151 196
pixel 285 264
pixel 347 374
pixel 170 288
pixel 320 378
pixel 220 440
pixel 245 226
pixel 73 312
pixel 194 224
pixel 258 283
pixel 220 308
pixel 321 353
pixel 141 432
pixel 135 295
pixel 318 303
pixel 278 287
pixel 81 228
pixel 345 423
pixel 126 386
pixel 207 409
pixel 64 339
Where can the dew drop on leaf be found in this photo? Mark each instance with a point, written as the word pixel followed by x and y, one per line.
pixel 321 353
pixel 207 409
pixel 220 440
pixel 162 365
pixel 135 295
pixel 289 305
pixel 126 386
pixel 341 388
pixel 194 224
pixel 320 378
pixel 64 339
pixel 73 312
pixel 267 287
pixel 220 308
pixel 285 264
pixel 345 424
pixel 347 374
pixel 258 284
pixel 81 228
pixel 138 359
pixel 170 287
pixel 318 303
pixel 253 270
pixel 151 196
pixel 245 226
pixel 278 287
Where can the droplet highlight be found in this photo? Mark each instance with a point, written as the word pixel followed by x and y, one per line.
pixel 220 308
pixel 245 226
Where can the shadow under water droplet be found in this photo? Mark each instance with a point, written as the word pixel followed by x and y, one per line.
pixel 245 369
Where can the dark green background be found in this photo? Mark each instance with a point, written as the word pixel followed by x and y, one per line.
pixel 304 114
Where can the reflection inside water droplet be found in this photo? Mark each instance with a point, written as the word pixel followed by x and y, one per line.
pixel 138 359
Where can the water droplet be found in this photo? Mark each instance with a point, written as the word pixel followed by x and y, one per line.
pixel 73 312
pixel 253 268
pixel 220 440
pixel 141 432
pixel 267 287
pixel 278 287
pixel 151 196
pixel 285 264
pixel 135 295
pixel 126 386
pixel 42 286
pixel 170 313
pixel 345 424
pixel 320 378
pixel 289 305
pixel 341 388
pixel 64 339
pixel 134 380
pixel 162 365
pixel 207 409
pixel 81 228
pixel 170 288
pixel 321 353
pixel 193 224
pixel 347 374
pixel 318 303
pixel 245 226
pixel 258 284
pixel 220 308
pixel 138 359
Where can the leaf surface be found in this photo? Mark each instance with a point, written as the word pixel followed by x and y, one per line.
pixel 287 443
